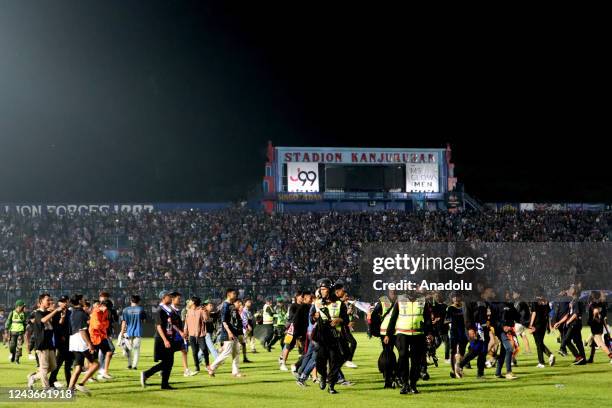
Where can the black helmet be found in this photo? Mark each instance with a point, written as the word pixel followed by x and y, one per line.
pixel 324 283
pixel 339 284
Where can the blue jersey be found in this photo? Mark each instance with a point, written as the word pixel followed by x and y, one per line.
pixel 133 317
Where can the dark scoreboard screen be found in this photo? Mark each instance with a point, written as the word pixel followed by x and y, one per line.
pixel 379 178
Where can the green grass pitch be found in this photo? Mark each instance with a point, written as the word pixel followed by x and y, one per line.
pixel 264 385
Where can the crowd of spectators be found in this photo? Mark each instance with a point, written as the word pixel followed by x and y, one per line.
pixel 260 254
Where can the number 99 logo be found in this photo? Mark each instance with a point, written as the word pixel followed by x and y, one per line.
pixel 305 177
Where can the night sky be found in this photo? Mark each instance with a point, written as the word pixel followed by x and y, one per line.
pixel 176 100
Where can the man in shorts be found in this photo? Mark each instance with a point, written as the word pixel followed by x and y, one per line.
pixel 81 346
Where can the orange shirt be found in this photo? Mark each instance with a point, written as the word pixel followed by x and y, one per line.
pixel 98 325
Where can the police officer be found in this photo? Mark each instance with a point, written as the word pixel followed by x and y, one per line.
pixel 350 344
pixel 410 322
pixel 15 326
pixel 268 323
pixel 279 321
pixel 382 313
pixel 329 314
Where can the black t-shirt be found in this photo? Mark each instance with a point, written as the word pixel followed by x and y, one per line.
pixel 524 313
pixel 597 324
pixel 542 312
pixel 61 332
pixel 496 318
pixel 561 309
pixel 78 320
pixel 292 312
pixel 509 315
pixel 235 322
pixel 43 332
pixel 576 307
pixel 166 319
pixel 439 311
pixel 300 320
pixel 454 317
pixel 476 313
pixel 210 323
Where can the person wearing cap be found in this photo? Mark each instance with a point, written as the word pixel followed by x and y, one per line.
pixel 61 336
pixel 210 328
pixel 329 314
pixel 410 322
pixel 163 351
pixel 268 323
pixel 15 325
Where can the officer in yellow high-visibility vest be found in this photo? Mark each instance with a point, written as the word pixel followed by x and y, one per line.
pixel 268 323
pixel 410 322
pixel 329 314
pixel 15 326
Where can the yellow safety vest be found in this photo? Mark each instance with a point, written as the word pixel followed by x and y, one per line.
pixel 267 317
pixel 386 305
pixel 410 318
pixel 333 309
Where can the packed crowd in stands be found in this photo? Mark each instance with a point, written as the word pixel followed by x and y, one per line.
pixel 261 254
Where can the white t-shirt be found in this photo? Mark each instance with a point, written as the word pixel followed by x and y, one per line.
pixel 77 343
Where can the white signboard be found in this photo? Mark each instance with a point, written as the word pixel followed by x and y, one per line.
pixel 302 177
pixel 422 178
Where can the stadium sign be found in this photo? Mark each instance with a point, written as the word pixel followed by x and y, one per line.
pixel 348 156
pixel 63 209
pixel 300 197
pixel 350 178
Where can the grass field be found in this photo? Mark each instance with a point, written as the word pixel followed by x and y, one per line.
pixel 265 386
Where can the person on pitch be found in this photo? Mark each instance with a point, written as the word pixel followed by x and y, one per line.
pixel 330 314
pixel 410 322
pixel 381 315
pixel 268 323
pixel 166 330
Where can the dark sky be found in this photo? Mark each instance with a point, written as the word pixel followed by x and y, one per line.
pixel 175 100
